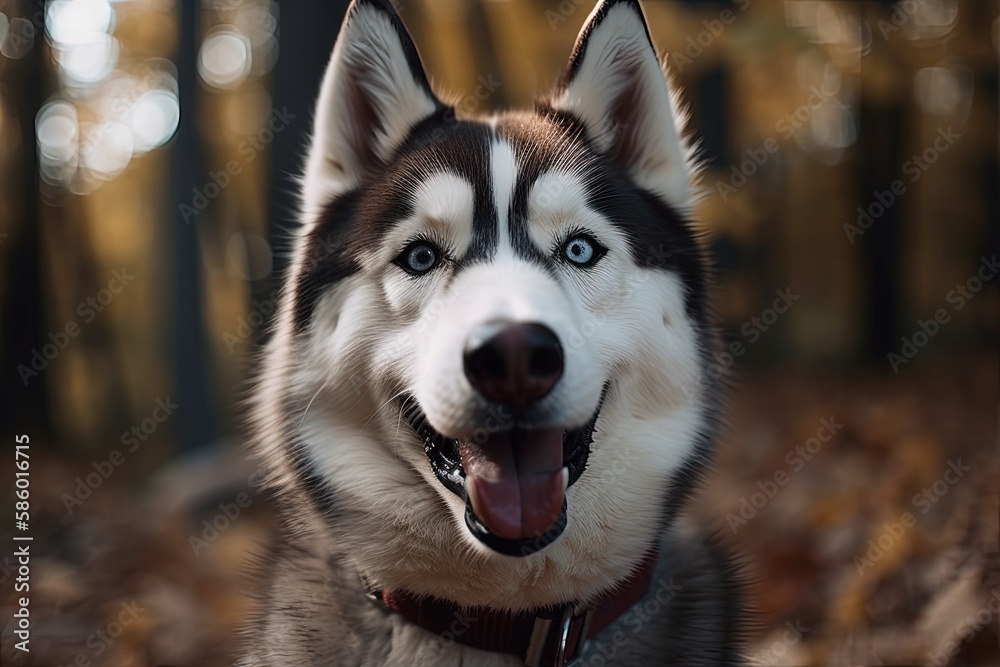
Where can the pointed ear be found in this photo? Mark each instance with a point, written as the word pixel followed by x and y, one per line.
pixel 374 92
pixel 614 85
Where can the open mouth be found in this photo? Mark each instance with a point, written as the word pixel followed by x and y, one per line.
pixel 513 481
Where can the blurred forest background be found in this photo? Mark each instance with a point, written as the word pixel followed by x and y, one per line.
pixel 148 151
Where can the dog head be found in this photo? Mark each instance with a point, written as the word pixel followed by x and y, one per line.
pixel 492 348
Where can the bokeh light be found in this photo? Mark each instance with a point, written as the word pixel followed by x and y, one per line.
pixel 105 149
pixel 4 27
pixel 57 129
pixel 260 25
pixel 18 38
pixel 76 22
pixel 225 58
pixel 90 62
pixel 928 19
pixel 850 162
pixel 80 32
pixel 944 91
pixel 154 119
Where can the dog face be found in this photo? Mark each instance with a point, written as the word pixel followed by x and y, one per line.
pixel 491 352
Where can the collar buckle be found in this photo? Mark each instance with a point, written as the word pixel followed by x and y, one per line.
pixel 541 634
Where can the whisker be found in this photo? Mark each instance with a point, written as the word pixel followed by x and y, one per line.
pixel 379 408
pixel 309 405
pixel 399 423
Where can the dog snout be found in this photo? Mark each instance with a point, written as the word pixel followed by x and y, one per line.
pixel 514 364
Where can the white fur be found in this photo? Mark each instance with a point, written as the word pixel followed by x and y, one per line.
pixel 444 204
pixel 368 57
pixel 504 177
pixel 612 322
pixel 619 57
pixel 379 334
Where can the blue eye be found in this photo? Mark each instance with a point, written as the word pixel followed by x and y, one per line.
pixel 418 258
pixel 582 250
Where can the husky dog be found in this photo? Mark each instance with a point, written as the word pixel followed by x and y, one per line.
pixel 488 393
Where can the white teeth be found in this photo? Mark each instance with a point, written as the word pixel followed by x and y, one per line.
pixel 470 491
pixel 565 478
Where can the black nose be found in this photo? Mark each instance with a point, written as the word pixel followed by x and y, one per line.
pixel 513 364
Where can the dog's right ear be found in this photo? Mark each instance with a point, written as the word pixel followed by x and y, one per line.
pixel 374 92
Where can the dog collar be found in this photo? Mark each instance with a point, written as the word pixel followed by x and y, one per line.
pixel 548 637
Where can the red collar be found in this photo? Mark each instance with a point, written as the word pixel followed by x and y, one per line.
pixel 549 637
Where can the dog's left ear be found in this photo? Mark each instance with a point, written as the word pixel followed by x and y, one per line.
pixel 615 86
pixel 374 92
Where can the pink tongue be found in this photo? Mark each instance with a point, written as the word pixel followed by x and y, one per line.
pixel 518 481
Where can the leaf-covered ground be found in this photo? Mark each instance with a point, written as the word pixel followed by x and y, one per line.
pixel 863 506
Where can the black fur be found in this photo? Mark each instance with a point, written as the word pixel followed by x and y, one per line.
pixel 410 52
pixel 313 605
pixel 580 49
pixel 691 616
